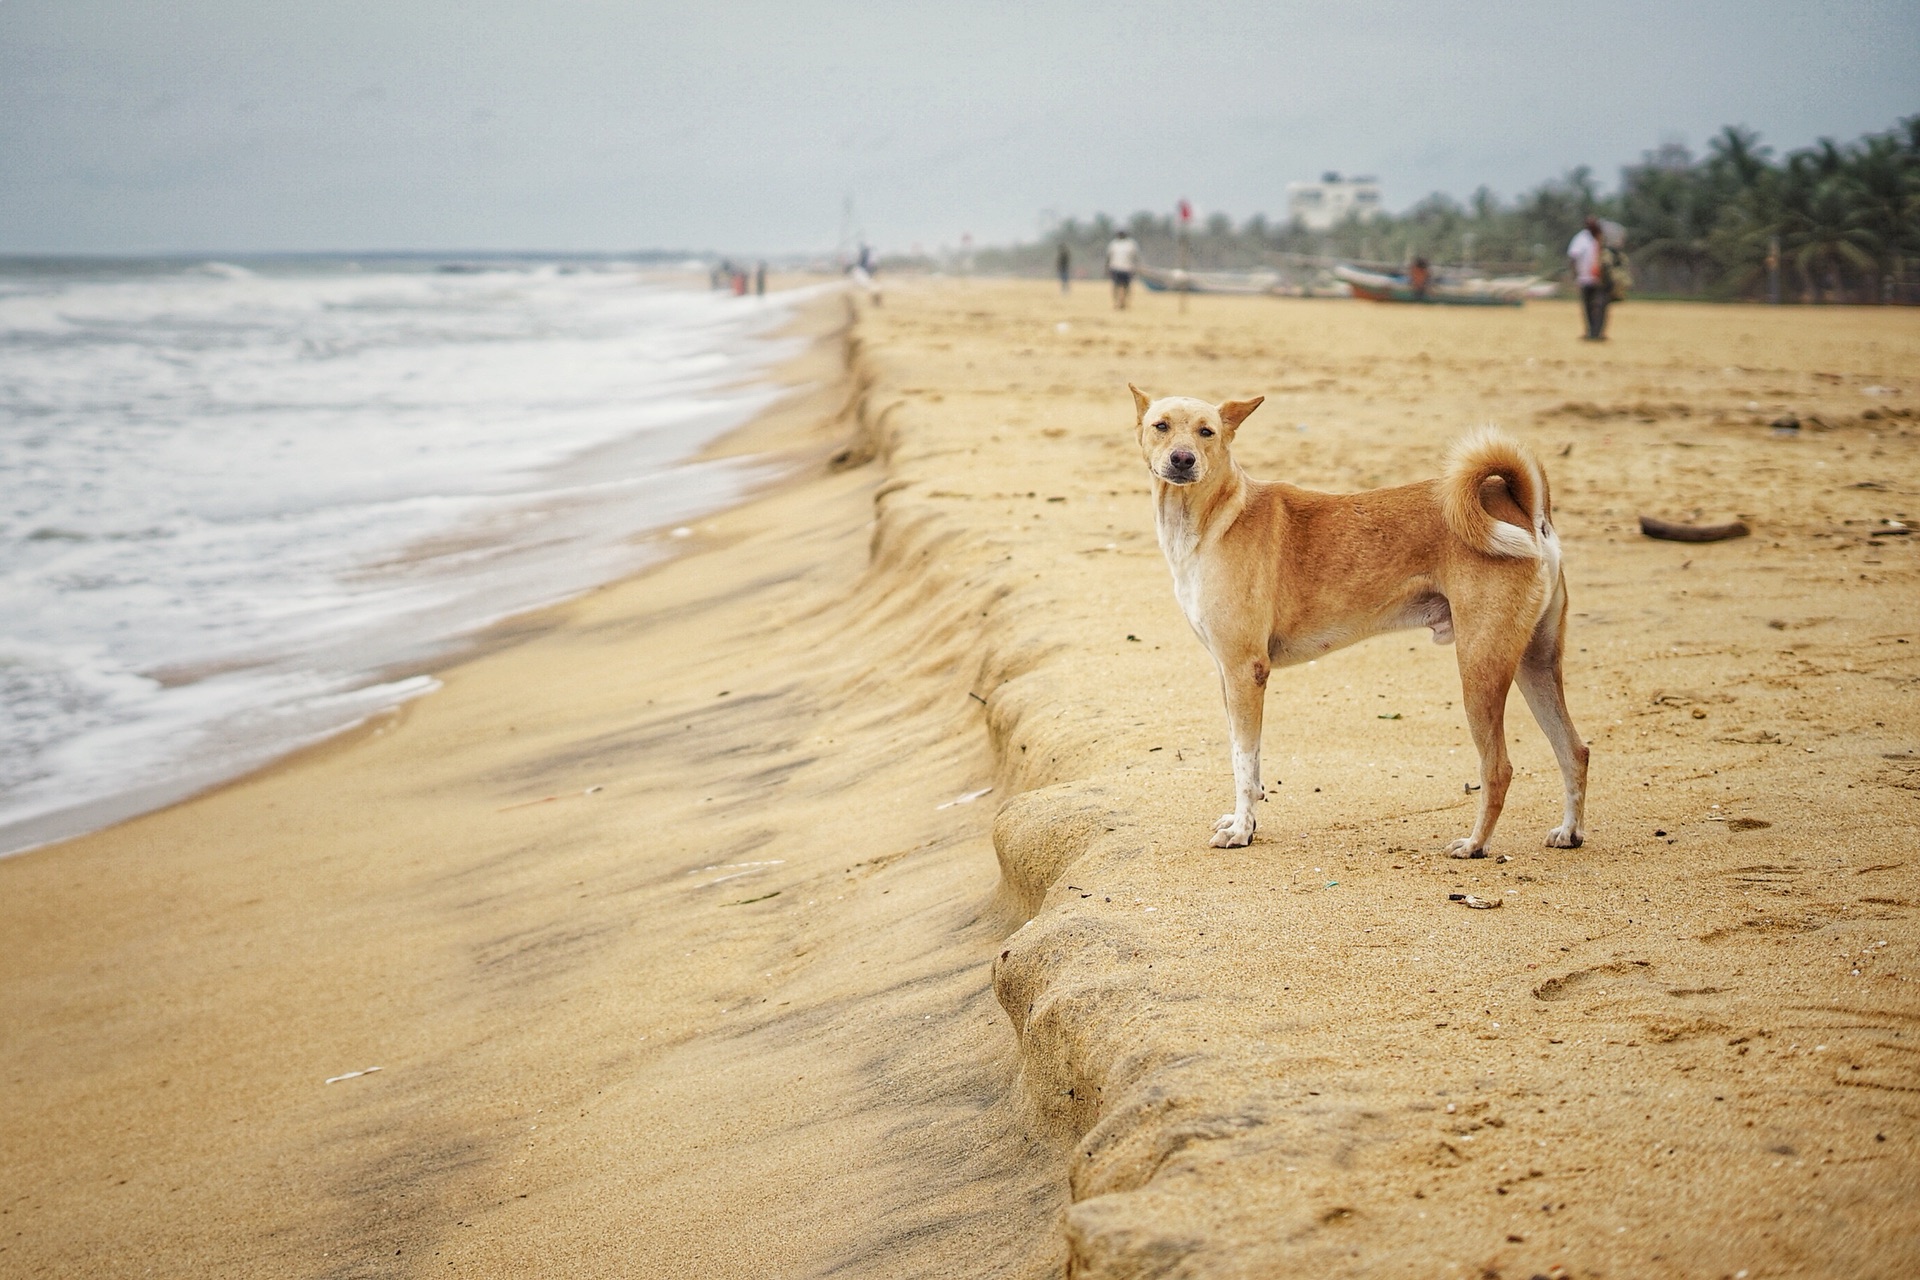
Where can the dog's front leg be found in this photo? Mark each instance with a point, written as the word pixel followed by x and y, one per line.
pixel 1245 686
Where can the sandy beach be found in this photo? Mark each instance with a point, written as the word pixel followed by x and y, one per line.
pixel 835 897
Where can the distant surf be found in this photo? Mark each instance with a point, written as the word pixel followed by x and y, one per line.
pixel 240 497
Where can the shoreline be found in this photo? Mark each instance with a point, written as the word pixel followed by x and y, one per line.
pixel 522 971
pixel 55 827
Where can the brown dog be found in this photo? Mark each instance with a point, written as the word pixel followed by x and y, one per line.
pixel 1270 575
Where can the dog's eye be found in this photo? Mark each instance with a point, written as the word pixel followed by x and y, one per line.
pixel 1159 426
pixel 1206 431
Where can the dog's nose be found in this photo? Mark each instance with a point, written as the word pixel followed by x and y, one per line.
pixel 1181 459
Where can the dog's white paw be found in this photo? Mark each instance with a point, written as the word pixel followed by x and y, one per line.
pixel 1466 848
pixel 1232 831
pixel 1566 836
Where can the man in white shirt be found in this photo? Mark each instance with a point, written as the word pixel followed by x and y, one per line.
pixel 1123 259
pixel 1587 253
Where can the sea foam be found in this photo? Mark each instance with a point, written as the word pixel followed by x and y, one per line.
pixel 240 503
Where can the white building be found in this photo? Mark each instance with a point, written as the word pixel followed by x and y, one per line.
pixel 1330 201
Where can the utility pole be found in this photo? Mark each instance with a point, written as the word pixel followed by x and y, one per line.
pixel 1181 238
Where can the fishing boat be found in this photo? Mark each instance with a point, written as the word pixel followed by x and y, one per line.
pixel 1258 282
pixel 1163 280
pixel 1382 286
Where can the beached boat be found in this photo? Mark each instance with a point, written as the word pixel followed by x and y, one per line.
pixel 1381 286
pixel 1164 280
pixel 1248 283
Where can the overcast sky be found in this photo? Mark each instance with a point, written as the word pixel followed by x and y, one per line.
pixel 249 125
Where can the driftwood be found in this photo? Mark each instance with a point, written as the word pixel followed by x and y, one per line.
pixel 1667 531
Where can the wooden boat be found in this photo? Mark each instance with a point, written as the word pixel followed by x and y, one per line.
pixel 1163 280
pixel 1380 286
pixel 1260 283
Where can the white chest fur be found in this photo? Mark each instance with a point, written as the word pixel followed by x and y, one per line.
pixel 1180 544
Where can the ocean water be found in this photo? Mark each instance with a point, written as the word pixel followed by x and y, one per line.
pixel 240 503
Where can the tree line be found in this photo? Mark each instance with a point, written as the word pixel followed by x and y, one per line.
pixel 1827 223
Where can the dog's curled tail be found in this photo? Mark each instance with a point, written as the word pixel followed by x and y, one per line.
pixel 1485 516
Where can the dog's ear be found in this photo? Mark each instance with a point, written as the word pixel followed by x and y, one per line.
pixel 1234 412
pixel 1140 403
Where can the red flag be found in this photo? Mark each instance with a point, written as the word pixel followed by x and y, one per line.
pixel 1186 212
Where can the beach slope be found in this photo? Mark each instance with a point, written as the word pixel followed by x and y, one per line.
pixel 659 922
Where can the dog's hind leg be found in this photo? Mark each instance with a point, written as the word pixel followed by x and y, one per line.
pixel 1540 680
pixel 1244 685
pixel 1488 660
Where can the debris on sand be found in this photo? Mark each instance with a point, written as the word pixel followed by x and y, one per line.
pixel 352 1075
pixel 1477 903
pixel 968 798
pixel 1668 531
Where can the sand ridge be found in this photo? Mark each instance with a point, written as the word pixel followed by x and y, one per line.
pixel 635 1013
pixel 1685 1049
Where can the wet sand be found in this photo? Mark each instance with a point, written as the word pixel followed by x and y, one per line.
pixel 720 1006
pixel 761 1005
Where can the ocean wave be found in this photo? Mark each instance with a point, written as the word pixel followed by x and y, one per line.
pixel 237 498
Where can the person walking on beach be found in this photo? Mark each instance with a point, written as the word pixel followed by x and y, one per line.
pixel 1123 259
pixel 760 280
pixel 1063 263
pixel 862 272
pixel 1588 254
pixel 1420 277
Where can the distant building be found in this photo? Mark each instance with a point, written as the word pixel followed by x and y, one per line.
pixel 1330 201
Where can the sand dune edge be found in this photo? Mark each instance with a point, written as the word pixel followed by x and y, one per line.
pixel 1301 1058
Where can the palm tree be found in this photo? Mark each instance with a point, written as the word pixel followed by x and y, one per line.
pixel 1847 217
pixel 1884 198
pixel 1818 235
pixel 1737 159
pixel 1663 206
